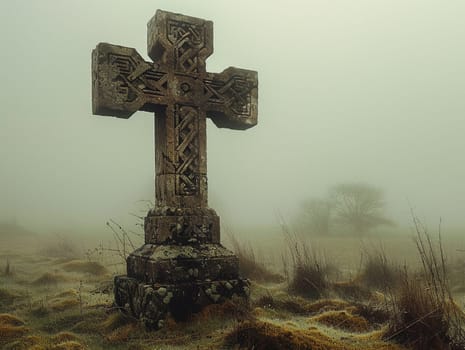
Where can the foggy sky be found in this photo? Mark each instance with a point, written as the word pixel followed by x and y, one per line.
pixel 349 91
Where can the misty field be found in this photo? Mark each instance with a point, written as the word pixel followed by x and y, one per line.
pixel 377 292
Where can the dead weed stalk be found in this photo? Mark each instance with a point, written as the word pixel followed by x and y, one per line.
pixel 424 313
pixel 308 269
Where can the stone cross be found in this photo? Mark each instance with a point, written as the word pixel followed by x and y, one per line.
pixel 181 93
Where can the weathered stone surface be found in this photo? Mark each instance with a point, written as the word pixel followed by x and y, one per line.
pixel 182 263
pixel 182 228
pixel 182 266
pixel 151 302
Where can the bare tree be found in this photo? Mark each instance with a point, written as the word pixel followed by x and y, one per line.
pixel 359 206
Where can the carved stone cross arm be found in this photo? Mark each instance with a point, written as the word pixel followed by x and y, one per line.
pixel 179 46
pixel 123 83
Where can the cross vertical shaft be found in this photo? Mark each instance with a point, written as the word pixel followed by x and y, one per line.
pixel 180 45
pixel 180 157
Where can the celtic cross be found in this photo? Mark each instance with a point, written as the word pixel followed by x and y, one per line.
pixel 182 266
pixel 182 94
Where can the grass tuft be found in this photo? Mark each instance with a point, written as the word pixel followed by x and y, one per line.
pixel 8 297
pixel 249 266
pixel 31 342
pixel 376 315
pixel 8 271
pixel 11 328
pixel 64 337
pixel 48 279
pixel 425 315
pixel 63 304
pixel 378 272
pixel 308 270
pixel 11 320
pixel 301 306
pixel 265 336
pixel 90 267
pixel 236 308
pixel 260 335
pixel 343 320
pixel 121 334
pixel 351 290
pixel 68 345
pixel 114 321
pixel 60 246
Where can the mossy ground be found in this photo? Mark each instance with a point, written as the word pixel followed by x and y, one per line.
pixel 61 303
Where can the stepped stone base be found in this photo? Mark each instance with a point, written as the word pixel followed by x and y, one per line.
pixel 152 302
pixel 174 264
pixel 177 279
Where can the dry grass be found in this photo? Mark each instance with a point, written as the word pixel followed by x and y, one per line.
pixel 293 305
pixel 66 341
pixel 265 336
pixel 279 320
pixel 8 271
pixel 6 295
pixel 308 276
pixel 61 341
pixel 11 328
pixel 70 293
pixel 31 342
pixel 259 335
pixel 236 308
pixel 114 321
pixel 377 315
pixel 351 290
pixel 300 306
pixel 249 266
pixel 377 271
pixel 64 337
pixel 11 320
pixel 327 305
pixel 68 345
pixel 425 315
pixel 90 267
pixel 60 246
pixel 88 323
pixel 9 296
pixel 63 304
pixel 49 279
pixel 343 320
pixel 121 334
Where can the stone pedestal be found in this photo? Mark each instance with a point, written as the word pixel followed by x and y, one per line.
pixel 152 302
pixel 180 270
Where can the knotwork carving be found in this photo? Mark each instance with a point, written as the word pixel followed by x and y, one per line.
pixel 188 39
pixel 235 93
pixel 134 78
pixel 187 149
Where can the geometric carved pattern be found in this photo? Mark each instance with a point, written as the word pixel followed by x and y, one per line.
pixel 187 39
pixel 135 78
pixel 235 92
pixel 187 150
